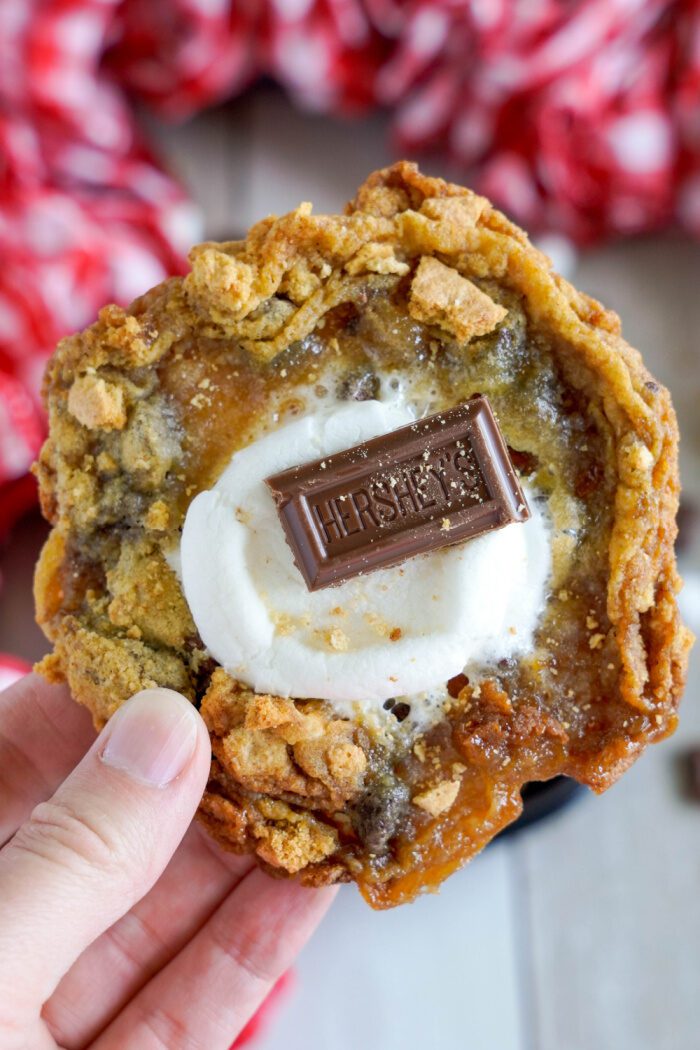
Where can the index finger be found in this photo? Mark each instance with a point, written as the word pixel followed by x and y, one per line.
pixel 205 996
pixel 43 735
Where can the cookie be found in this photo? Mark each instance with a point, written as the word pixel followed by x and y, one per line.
pixel 378 728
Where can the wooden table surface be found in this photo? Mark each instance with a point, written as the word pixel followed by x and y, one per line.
pixel 583 933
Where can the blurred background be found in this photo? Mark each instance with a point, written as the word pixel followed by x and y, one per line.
pixel 130 129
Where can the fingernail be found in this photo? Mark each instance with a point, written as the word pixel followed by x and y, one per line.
pixel 151 737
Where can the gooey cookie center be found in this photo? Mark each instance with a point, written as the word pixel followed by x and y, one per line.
pixel 399 631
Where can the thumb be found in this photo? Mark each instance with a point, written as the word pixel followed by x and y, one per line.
pixel 88 854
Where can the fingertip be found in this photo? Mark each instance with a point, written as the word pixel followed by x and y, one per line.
pixel 314 897
pixel 156 737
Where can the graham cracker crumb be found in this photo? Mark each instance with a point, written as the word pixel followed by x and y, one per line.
pixel 441 296
pixel 284 624
pixel 106 464
pixel 97 404
pixel 419 750
pixel 438 799
pixel 376 258
pixel 346 760
pixel 291 840
pixel 157 516
pixel 338 640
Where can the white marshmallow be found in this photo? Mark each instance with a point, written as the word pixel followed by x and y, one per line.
pixel 464 605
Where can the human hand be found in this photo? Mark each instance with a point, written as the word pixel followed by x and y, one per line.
pixel 120 924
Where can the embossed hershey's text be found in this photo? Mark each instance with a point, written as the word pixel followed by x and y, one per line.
pixel 432 483
pixel 429 486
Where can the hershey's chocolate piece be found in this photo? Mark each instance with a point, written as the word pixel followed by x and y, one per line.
pixel 430 484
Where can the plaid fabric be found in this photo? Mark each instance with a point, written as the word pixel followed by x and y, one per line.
pixel 86 215
pixel 581 116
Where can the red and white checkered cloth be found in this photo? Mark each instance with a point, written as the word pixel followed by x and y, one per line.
pixel 86 215
pixel 578 117
pixel 581 117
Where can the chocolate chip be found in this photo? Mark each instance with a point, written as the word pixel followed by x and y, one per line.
pixel 524 462
pixel 388 704
pixel 401 711
pixel 589 479
pixel 456 685
pixel 379 812
pixel 359 386
pixel 192 642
